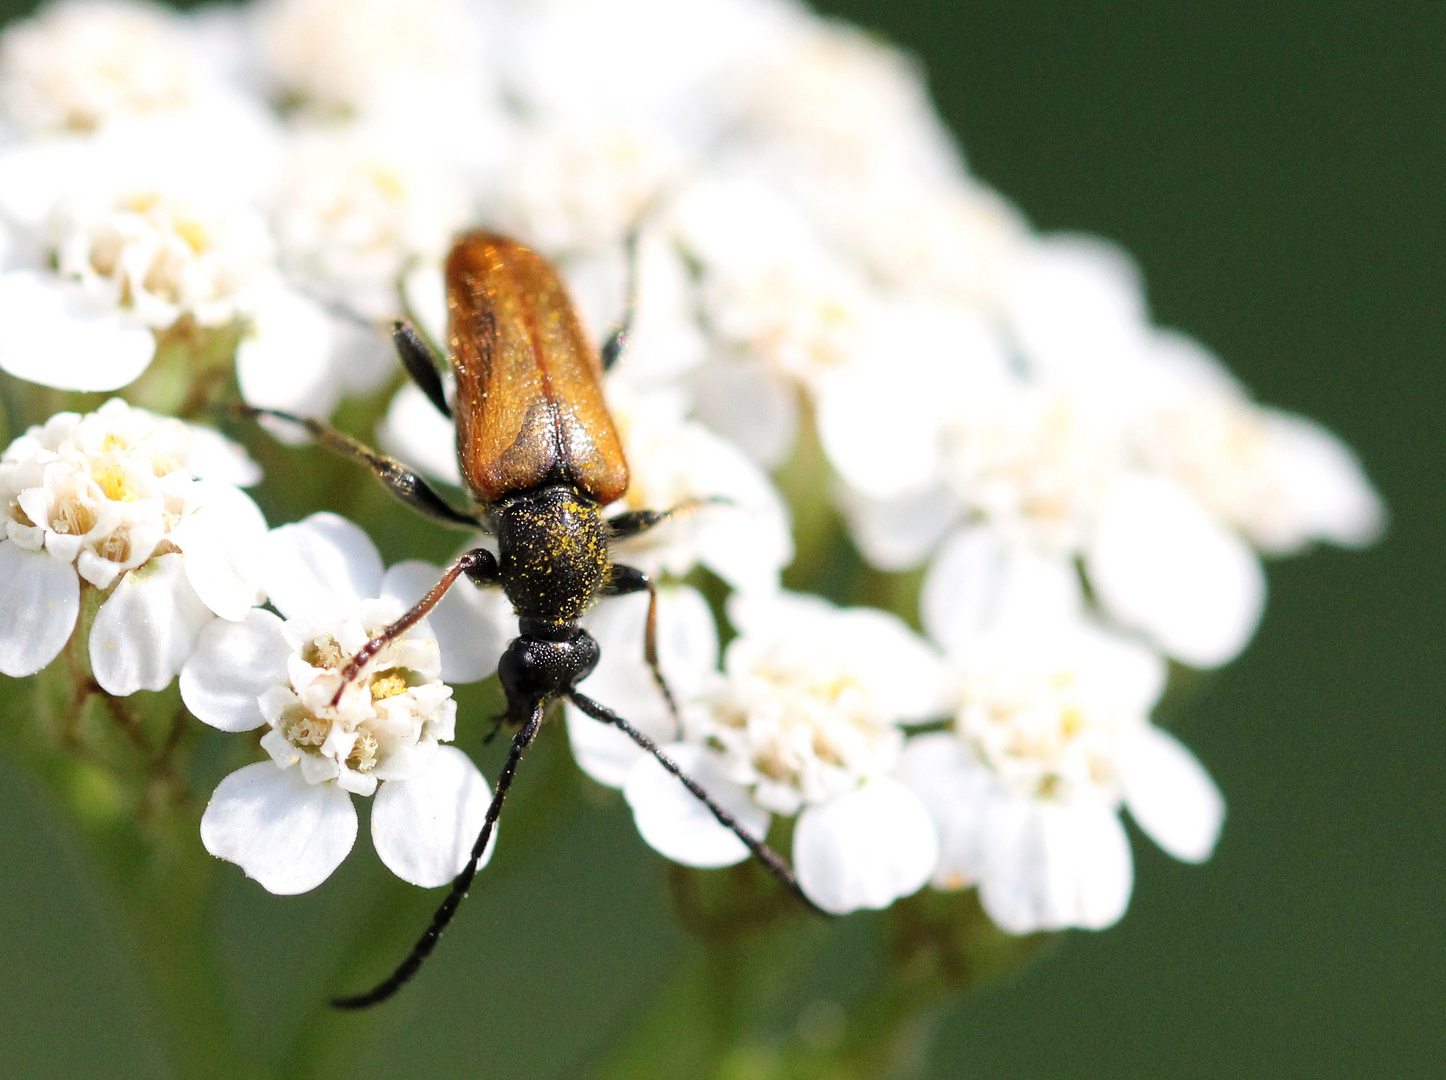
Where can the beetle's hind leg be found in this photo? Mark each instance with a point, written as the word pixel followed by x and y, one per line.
pixel 460 884
pixel 761 851
pixel 401 481
pixel 629 579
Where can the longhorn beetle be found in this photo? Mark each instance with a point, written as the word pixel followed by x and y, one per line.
pixel 541 458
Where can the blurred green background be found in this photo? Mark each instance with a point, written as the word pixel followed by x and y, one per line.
pixel 1279 171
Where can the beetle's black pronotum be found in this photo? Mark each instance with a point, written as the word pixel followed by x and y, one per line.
pixel 541 458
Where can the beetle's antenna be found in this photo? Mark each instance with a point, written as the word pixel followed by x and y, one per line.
pixel 765 854
pixel 479 563
pixel 460 884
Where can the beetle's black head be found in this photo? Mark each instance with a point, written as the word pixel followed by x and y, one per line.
pixel 535 670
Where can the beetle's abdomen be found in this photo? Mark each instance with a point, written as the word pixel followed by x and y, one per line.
pixel 554 553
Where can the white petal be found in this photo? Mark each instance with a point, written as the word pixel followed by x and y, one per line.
pixel 285 360
pixel 898 534
pixel 1323 479
pixel 39 603
pixel 287 834
pixel 750 405
pixel 473 625
pixel 321 568
pixel 1170 795
pixel 425 291
pixel 745 541
pixel 1078 310
pixel 979 583
pixel 233 665
pixel 865 849
pixel 1160 563
pixel 147 628
pixel 418 434
pixel 215 457
pixel 53 334
pixel 675 823
pixel 874 433
pixel 1049 865
pixel 424 828
pixel 954 788
pixel 222 536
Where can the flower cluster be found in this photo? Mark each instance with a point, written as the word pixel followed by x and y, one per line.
pixel 143 509
pixel 289 821
pixel 820 285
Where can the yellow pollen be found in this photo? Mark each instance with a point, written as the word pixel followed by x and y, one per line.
pixel 194 235
pixel 1071 722
pixel 113 482
pixel 386 686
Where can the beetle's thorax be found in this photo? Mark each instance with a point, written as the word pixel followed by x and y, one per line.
pixel 553 554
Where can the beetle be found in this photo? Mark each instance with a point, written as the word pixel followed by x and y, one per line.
pixel 541 458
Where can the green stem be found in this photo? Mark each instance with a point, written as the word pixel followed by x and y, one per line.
pixel 114 781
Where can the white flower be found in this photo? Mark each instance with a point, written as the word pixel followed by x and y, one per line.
pixel 780 311
pixel 357 204
pixel 376 56
pixel 1282 480
pixel 129 255
pixel 161 254
pixel 289 822
pixel 802 721
pixel 1045 471
pixel 579 188
pixel 81 64
pixel 827 99
pixel 1051 737
pixel 743 536
pixel 126 501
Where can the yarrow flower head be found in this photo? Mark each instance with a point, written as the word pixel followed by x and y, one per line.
pixel 289 822
pixel 1051 736
pixel 821 288
pixel 86 63
pixel 802 720
pixel 142 508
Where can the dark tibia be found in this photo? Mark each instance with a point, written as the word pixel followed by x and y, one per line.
pixel 765 854
pixel 398 479
pixel 636 522
pixel 629 579
pixel 421 365
pixel 460 884
pixel 618 339
pixel 479 564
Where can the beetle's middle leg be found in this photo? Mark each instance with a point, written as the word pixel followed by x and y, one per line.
pixel 636 522
pixel 401 481
pixel 629 579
